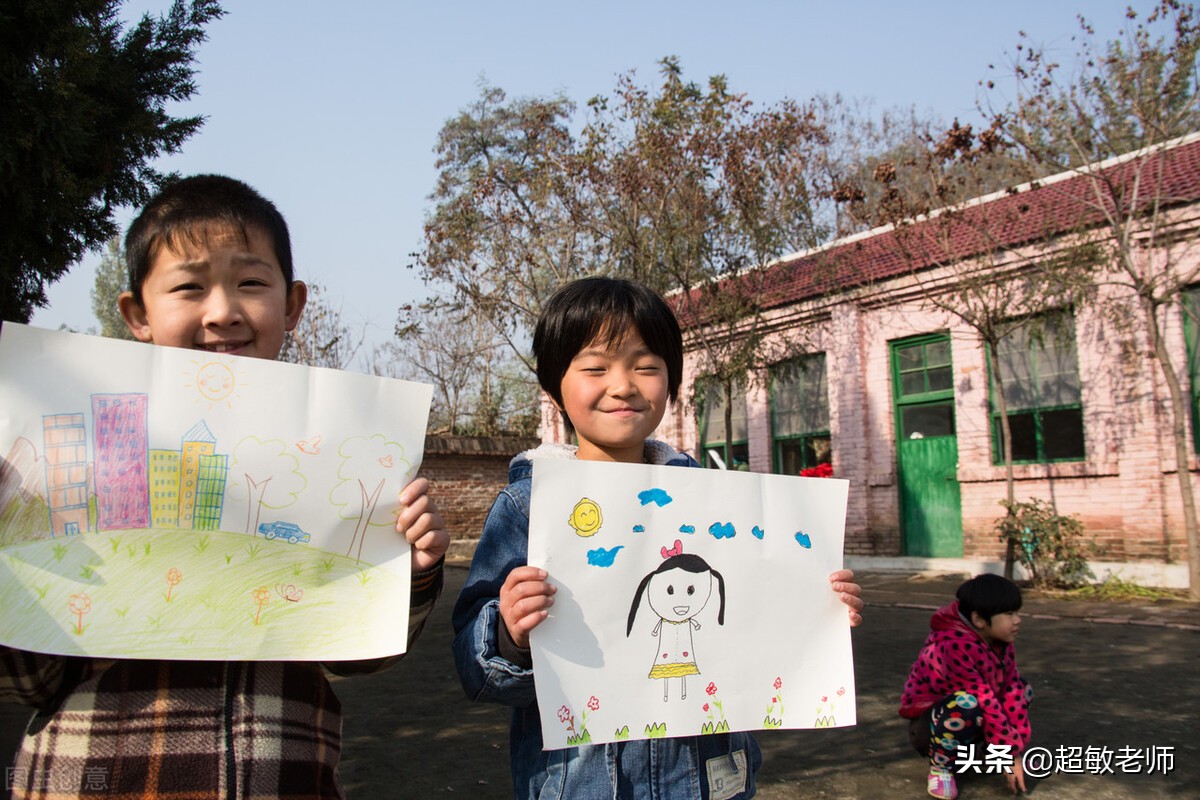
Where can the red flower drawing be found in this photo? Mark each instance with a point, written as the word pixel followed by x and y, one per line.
pixel 711 689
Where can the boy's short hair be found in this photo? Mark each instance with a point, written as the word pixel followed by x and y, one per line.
pixel 594 308
pixel 185 210
pixel 988 595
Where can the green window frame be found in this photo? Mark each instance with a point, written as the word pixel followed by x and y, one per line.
pixel 716 447
pixel 800 438
pixel 922 382
pixel 1042 392
pixel 1190 301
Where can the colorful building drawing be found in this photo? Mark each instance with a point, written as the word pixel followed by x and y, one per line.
pixel 210 491
pixel 164 488
pixel 120 438
pixel 197 443
pixel 64 439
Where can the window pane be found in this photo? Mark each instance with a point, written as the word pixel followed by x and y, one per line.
pixel 1038 363
pixel 937 354
pixel 1057 374
pixel 791 457
pixel 799 397
pixel 819 450
pixel 1024 437
pixel 920 422
pixel 940 379
pixel 1016 373
pixel 912 383
pixel 712 428
pixel 1062 433
pixel 910 357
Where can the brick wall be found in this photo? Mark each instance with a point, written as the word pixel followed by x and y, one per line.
pixel 465 474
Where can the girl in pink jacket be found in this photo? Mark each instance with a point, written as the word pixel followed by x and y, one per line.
pixel 964 688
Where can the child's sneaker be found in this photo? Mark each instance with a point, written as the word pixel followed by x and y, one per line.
pixel 942 785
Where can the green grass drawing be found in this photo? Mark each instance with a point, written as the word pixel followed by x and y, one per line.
pixel 657 730
pixel 202 543
pixel 126 575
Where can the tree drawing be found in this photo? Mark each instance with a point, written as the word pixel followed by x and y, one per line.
pixel 276 482
pixel 367 465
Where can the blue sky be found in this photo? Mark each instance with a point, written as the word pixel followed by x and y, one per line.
pixel 333 111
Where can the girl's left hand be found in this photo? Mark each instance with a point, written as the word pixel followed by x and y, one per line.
pixel 849 593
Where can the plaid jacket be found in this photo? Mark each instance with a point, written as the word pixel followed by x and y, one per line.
pixel 183 729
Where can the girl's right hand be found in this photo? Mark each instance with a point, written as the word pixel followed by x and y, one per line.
pixel 525 600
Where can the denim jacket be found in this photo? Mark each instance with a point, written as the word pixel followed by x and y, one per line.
pixel 713 767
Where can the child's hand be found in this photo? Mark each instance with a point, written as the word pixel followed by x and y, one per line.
pixel 525 600
pixel 1016 778
pixel 422 525
pixel 849 593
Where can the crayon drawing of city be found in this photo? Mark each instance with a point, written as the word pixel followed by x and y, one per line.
pixel 157 504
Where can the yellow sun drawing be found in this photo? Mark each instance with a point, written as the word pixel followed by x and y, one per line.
pixel 585 517
pixel 217 382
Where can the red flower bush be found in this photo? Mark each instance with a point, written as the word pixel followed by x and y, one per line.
pixel 819 471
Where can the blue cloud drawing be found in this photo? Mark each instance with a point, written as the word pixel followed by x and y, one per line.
pixel 657 496
pixel 804 540
pixel 603 558
pixel 757 532
pixel 639 528
pixel 722 530
pixel 687 528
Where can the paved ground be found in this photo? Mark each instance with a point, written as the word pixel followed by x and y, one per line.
pixel 1107 676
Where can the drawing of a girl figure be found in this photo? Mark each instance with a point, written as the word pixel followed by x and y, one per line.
pixel 677 591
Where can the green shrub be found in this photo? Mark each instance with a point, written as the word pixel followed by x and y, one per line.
pixel 1048 545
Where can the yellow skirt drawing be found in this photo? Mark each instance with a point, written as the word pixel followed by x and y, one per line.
pixel 676 670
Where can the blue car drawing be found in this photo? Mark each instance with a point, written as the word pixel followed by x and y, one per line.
pixel 289 531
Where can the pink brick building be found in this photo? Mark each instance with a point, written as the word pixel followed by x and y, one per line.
pixel 895 393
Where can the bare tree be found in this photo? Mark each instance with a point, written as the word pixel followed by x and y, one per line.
pixel 1127 97
pixel 995 263
pixel 322 338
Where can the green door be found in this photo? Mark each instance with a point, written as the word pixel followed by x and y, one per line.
pixel 927 447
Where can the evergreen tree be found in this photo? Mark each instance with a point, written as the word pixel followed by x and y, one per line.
pixel 85 114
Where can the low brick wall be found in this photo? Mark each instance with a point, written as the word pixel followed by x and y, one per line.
pixel 465 474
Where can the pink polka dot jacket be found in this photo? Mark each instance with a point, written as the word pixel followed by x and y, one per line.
pixel 955 657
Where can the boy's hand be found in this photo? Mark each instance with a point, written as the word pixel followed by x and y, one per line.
pixel 422 525
pixel 525 600
pixel 849 593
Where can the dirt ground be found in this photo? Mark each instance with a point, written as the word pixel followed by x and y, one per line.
pixel 1127 682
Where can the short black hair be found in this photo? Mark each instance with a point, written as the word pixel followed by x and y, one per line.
pixel 584 310
pixel 988 595
pixel 188 209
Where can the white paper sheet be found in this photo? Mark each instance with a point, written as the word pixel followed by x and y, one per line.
pixel 167 503
pixel 755 639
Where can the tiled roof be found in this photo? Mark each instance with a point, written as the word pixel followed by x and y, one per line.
pixel 1020 216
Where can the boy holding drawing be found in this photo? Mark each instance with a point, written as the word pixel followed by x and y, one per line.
pixel 610 355
pixel 210 270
